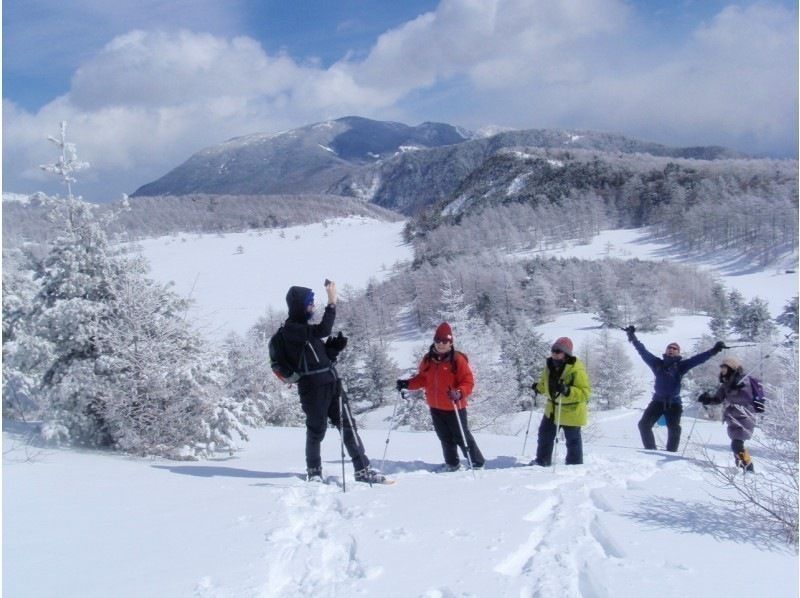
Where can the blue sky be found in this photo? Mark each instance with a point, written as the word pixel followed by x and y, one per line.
pixel 145 84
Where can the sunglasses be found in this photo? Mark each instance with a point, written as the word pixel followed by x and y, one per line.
pixel 442 341
pixel 556 351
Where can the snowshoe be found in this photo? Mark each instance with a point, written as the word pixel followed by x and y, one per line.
pixel 314 474
pixel 447 468
pixel 371 476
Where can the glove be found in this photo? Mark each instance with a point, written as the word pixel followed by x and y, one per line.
pixel 402 384
pixel 535 388
pixel 718 346
pixel 631 332
pixel 454 394
pixel 704 399
pixel 336 343
pixel 562 389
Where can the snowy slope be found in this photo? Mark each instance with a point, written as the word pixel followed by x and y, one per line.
pixel 628 523
pixel 234 278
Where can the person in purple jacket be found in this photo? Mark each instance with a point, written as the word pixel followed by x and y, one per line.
pixel 669 370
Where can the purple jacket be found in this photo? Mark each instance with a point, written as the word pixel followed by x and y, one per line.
pixel 739 413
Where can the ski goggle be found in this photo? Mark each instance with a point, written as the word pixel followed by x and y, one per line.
pixel 555 351
pixel 443 341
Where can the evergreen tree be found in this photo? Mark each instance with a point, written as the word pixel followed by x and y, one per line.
pixel 752 320
pixel 610 371
pixel 788 316
pixel 720 312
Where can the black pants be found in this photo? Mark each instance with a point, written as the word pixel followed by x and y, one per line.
pixel 320 404
pixel 672 413
pixel 547 437
pixel 446 426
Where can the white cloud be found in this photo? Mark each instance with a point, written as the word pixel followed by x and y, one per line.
pixel 151 98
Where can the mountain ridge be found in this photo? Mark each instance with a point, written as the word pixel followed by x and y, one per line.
pixel 394 165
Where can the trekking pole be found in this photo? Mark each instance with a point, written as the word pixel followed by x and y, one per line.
pixel 400 395
pixel 463 438
pixel 689 437
pixel 341 433
pixel 354 432
pixel 530 417
pixel 558 424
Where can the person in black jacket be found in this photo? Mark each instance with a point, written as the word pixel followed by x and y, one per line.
pixel 298 354
pixel 669 370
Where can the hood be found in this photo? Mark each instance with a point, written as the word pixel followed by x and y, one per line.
pixel 296 302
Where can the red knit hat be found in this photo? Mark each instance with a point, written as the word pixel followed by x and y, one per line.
pixel 443 332
pixel 564 344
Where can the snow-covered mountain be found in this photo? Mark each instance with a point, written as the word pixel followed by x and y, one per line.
pixel 311 159
pixel 391 164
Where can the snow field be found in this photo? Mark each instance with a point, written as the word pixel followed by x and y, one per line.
pixel 627 523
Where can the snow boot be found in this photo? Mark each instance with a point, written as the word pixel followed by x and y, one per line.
pixel 744 460
pixel 447 468
pixel 314 474
pixel 370 476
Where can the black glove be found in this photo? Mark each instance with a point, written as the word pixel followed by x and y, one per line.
pixel 562 389
pixel 631 332
pixel 704 399
pixel 718 346
pixel 454 394
pixel 336 343
pixel 535 388
pixel 402 384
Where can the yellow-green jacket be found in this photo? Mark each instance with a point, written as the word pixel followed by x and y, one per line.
pixel 574 408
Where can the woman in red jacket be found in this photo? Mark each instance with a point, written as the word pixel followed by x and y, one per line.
pixel 445 375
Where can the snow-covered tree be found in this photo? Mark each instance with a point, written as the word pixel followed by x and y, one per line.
pixel 789 317
pixel 752 321
pixel 257 396
pixel 107 353
pixel 610 372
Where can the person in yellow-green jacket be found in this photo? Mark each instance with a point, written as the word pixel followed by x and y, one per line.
pixel 565 384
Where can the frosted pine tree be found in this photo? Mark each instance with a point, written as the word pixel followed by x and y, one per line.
pixel 257 396
pixel 119 366
pixel 611 373
pixel 525 351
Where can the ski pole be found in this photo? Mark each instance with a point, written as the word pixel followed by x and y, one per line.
pixel 558 424
pixel 341 433
pixel 463 437
pixel 354 432
pixel 530 417
pixel 391 425
pixel 689 437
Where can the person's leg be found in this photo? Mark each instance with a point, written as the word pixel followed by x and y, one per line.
pixel 650 416
pixel 741 454
pixel 441 425
pixel 544 442
pixel 475 454
pixel 574 443
pixel 315 407
pixel 673 416
pixel 353 444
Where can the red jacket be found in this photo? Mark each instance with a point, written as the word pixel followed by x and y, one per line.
pixel 438 376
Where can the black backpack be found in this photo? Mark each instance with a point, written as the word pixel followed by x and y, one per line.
pixel 278 361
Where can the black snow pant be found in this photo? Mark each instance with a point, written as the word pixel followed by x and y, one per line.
pixel 446 426
pixel 672 413
pixel 320 404
pixel 547 437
